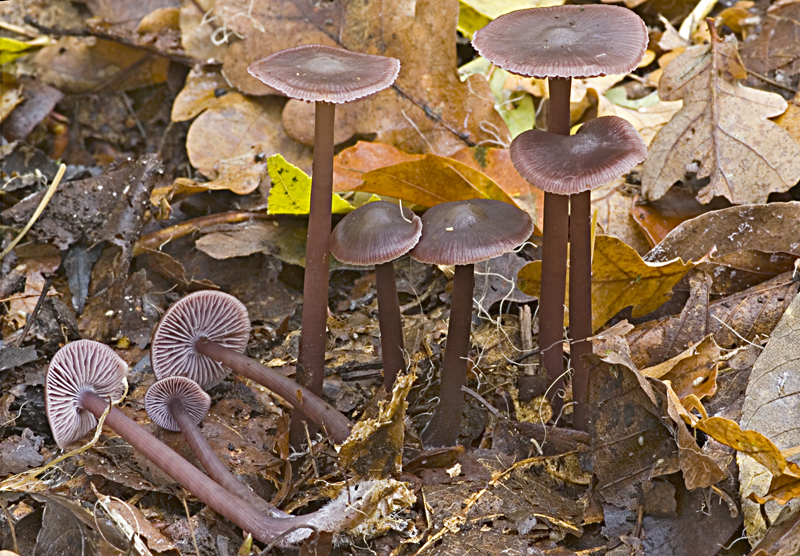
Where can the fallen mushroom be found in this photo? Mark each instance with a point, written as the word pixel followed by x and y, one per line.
pixel 463 233
pixel 376 234
pixel 204 334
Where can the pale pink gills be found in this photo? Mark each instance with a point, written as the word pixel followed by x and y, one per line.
pixel 162 392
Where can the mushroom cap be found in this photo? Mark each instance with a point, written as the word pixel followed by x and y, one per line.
pixel 602 150
pixel 564 41
pixel 75 368
pixel 375 233
pixel 158 396
pixel 205 314
pixel 467 232
pixel 317 73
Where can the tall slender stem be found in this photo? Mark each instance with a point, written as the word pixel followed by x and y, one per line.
pixel 554 256
pixel 212 464
pixel 446 421
pixel 580 302
pixel 263 528
pixel 311 360
pixel 391 325
pixel 302 398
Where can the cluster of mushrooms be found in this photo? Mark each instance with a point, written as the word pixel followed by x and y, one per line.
pixel 202 337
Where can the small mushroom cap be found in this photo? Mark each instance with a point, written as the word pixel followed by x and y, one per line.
pixel 564 41
pixel 603 149
pixel 75 368
pixel 467 232
pixel 317 73
pixel 205 314
pixel 375 233
pixel 162 392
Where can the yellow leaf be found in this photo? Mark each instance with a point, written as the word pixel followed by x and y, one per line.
pixel 620 278
pixel 432 180
pixel 291 190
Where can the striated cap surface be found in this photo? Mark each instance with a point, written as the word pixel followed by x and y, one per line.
pixel 603 149
pixel 162 392
pixel 564 41
pixel 467 232
pixel 375 233
pixel 78 367
pixel 317 73
pixel 205 314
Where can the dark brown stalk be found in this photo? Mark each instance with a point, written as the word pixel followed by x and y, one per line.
pixel 314 407
pixel 391 325
pixel 212 464
pixel 311 360
pixel 554 257
pixel 580 303
pixel 264 528
pixel 446 421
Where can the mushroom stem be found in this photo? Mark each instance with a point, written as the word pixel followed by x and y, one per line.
pixel 580 303
pixel 390 324
pixel 446 421
pixel 212 464
pixel 264 528
pixel 311 361
pixel 554 256
pixel 311 405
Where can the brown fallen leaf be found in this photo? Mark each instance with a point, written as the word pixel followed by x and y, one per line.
pixel 350 165
pixel 722 131
pixel 777 45
pixel 432 180
pixel 620 278
pixel 692 372
pixel 203 89
pixel 614 203
pixel 200 38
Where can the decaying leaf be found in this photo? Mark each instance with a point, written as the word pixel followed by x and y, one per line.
pixel 722 131
pixel 693 372
pixel 777 45
pixel 620 278
pixel 284 240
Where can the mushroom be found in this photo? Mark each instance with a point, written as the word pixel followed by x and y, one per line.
pixel 376 234
pixel 560 43
pixel 326 76
pixel 178 403
pixel 203 335
pixel 463 233
pixel 602 150
pixel 83 379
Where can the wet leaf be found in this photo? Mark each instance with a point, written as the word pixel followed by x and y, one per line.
pixel 620 278
pixel 747 157
pixel 432 180
pixel 291 190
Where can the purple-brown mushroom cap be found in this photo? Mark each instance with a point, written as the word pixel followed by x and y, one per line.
pixel 375 233
pixel 159 395
pixel 603 149
pixel 75 368
pixel 467 232
pixel 205 314
pixel 317 73
pixel 564 41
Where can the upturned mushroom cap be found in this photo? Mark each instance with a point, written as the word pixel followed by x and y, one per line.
pixel 314 73
pixel 159 395
pixel 375 233
pixel 205 314
pixel 602 150
pixel 564 41
pixel 78 367
pixel 467 232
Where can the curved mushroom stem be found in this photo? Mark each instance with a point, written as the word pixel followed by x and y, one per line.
pixel 446 421
pixel 264 528
pixel 390 324
pixel 554 257
pixel 212 464
pixel 311 405
pixel 580 303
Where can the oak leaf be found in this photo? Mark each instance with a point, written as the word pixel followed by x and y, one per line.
pixel 722 131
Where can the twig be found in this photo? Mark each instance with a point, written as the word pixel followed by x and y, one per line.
pixel 766 79
pixel 48 281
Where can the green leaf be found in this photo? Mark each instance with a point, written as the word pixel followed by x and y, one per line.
pixel 474 14
pixel 291 190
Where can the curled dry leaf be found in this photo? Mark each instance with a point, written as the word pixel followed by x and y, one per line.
pixel 692 372
pixel 722 131
pixel 620 278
